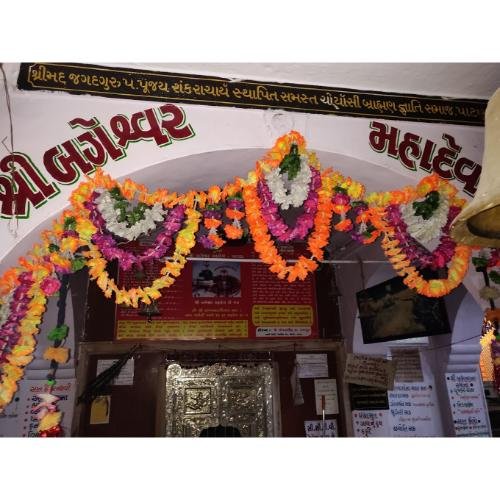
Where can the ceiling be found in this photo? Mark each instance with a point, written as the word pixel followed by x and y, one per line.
pixel 468 80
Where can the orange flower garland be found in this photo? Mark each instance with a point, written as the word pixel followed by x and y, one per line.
pixel 263 242
pixel 58 250
pixel 459 263
pixel 22 353
pixel 184 241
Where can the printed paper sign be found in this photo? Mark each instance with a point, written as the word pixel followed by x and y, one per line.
pixel 312 365
pixel 370 423
pixel 326 387
pixel 318 428
pixel 126 375
pixel 222 299
pixel 408 365
pixel 369 370
pixel 413 410
pixel 467 405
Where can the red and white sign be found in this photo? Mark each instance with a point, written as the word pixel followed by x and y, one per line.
pixel 222 299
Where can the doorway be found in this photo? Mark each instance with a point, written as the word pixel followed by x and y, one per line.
pixel 237 396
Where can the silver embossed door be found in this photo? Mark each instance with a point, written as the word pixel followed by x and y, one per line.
pixel 229 395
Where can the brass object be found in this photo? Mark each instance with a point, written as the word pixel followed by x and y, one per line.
pixel 479 222
pixel 232 395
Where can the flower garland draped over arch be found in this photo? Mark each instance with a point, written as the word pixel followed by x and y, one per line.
pixel 106 215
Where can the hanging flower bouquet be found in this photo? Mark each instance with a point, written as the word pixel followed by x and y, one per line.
pixel 401 227
pixel 223 215
pixel 104 206
pixel 262 201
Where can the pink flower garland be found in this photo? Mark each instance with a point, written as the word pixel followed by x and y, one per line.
pixel 277 226
pixel 436 259
pixel 204 239
pixel 109 247
pixel 9 332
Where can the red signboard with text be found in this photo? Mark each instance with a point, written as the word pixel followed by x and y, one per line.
pixel 222 299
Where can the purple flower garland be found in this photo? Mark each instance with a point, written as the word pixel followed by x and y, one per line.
pixel 109 247
pixel 418 254
pixel 277 226
pixel 9 332
pixel 203 238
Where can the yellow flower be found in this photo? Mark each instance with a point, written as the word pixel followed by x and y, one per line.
pixel 152 292
pixel 50 419
pixel 70 244
pixel 59 354
pixel 85 228
pixel 19 360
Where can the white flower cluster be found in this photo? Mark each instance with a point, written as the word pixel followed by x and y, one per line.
pixel 5 308
pixel 299 187
pixel 152 215
pixel 424 231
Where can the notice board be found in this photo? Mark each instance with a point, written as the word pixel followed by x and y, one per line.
pixel 221 299
pixel 468 405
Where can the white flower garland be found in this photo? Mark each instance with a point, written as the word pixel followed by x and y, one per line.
pixel 5 308
pixel 424 231
pixel 299 187
pixel 152 215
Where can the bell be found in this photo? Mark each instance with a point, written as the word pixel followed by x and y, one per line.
pixel 479 222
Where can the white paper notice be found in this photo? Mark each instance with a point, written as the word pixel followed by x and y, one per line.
pixel 374 371
pixel 408 365
pixel 326 387
pixel 314 428
pixel 312 365
pixel 368 423
pixel 467 405
pixel 126 376
pixel 413 410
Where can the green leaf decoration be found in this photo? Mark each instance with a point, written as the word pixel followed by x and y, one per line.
pixel 291 162
pixel 77 264
pixel 494 276
pixel 341 190
pixel 127 213
pixel 427 207
pixel 58 333
pixel 358 204
pixel 53 247
pixel 479 263
pixel 115 193
pixel 213 206
pixel 69 224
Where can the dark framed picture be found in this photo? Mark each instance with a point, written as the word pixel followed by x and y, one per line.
pixel 392 311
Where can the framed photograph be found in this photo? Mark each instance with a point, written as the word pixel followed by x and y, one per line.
pixel 392 311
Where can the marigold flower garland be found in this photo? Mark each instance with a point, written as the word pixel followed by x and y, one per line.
pixel 108 246
pixel 19 331
pixel 184 241
pixel 213 219
pixel 63 248
pixel 235 211
pixel 259 229
pixel 398 255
